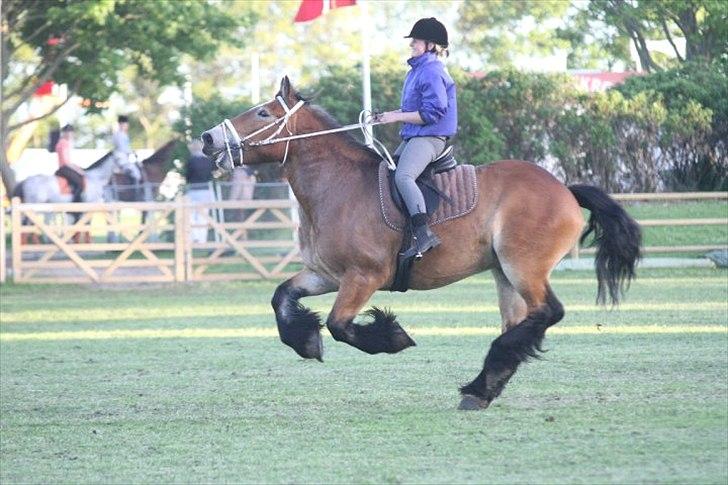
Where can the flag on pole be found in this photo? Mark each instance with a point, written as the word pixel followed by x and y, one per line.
pixel 311 9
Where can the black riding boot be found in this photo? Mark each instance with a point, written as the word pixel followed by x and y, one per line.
pixel 423 239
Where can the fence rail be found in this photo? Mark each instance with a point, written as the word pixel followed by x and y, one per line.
pixel 153 241
pixel 672 197
pixel 127 242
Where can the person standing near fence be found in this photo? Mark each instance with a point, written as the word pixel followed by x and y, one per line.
pixel 198 175
pixel 242 186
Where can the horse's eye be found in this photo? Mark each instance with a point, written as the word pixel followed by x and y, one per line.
pixel 263 113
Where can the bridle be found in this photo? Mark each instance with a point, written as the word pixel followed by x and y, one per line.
pixel 233 142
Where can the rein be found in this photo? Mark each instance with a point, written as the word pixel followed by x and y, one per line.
pixel 238 143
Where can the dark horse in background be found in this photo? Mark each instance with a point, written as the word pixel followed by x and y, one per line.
pixel 123 187
pixel 524 222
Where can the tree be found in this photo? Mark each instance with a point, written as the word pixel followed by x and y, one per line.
pixel 495 29
pixel 702 23
pixel 86 44
pixel 596 33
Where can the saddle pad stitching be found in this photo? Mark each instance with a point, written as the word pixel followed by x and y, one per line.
pixel 393 226
pixel 472 207
pixel 389 223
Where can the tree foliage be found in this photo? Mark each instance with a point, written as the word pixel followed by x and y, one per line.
pixel 596 33
pixel 86 44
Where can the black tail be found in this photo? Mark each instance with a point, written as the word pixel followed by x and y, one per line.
pixel 617 237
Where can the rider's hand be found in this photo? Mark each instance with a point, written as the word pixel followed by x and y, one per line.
pixel 387 117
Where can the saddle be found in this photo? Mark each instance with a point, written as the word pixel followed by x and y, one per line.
pixel 450 191
pixel 70 180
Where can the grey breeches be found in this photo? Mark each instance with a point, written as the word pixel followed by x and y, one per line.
pixel 414 156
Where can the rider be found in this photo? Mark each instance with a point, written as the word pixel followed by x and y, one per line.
pixel 122 149
pixel 428 115
pixel 66 168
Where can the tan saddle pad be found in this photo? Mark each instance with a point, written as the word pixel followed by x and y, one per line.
pixel 460 184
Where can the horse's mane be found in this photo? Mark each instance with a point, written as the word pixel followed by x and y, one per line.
pixel 162 154
pixel 330 122
pixel 99 162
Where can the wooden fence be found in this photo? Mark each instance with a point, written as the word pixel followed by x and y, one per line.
pixel 152 241
pixel 672 197
pixel 242 240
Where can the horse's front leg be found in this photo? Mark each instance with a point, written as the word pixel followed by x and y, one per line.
pixel 382 335
pixel 298 326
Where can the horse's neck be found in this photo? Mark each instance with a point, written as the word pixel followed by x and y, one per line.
pixel 329 169
pixel 103 172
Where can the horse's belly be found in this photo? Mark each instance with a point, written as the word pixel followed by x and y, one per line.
pixel 443 266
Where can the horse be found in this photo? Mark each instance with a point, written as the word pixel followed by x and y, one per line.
pixel 524 222
pixel 39 189
pixel 144 186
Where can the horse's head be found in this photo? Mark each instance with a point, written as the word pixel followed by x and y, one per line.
pixel 242 140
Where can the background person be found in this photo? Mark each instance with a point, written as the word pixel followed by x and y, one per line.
pixel 66 168
pixel 122 149
pixel 198 174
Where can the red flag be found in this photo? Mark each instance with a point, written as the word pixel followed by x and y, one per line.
pixel 45 89
pixel 309 10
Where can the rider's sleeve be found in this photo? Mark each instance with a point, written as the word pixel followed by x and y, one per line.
pixel 434 97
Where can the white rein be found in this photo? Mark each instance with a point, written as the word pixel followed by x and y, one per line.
pixel 237 142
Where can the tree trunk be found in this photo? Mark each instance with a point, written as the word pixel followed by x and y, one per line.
pixel 7 173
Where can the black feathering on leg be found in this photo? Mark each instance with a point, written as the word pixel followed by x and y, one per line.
pixel 298 326
pixel 383 335
pixel 518 344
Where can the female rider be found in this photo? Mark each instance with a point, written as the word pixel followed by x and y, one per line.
pixel 428 115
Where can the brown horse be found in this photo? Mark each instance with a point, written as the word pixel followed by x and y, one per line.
pixel 154 169
pixel 524 222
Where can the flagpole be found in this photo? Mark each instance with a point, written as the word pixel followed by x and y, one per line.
pixel 365 72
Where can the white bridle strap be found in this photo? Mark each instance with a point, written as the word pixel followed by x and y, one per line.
pixel 238 142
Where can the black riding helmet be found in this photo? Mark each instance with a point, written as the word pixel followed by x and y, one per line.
pixel 430 30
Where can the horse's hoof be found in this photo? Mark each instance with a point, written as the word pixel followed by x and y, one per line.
pixel 313 348
pixel 472 403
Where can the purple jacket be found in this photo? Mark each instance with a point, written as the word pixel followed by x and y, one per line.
pixel 429 90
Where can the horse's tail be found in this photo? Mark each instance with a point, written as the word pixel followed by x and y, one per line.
pixel 617 237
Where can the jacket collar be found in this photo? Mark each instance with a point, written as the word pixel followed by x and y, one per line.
pixel 416 62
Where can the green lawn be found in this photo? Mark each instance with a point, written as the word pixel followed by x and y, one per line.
pixel 188 383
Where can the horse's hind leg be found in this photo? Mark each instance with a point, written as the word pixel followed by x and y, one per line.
pixel 513 308
pixel 298 326
pixel 516 344
pixel 382 335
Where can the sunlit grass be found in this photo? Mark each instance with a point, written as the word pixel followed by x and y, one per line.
pixel 415 331
pixel 190 383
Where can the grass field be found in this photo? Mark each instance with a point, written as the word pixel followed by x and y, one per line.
pixel 190 384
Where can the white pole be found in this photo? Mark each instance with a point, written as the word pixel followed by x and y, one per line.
pixel 365 74
pixel 255 78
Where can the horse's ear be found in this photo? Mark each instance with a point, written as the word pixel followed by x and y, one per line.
pixel 286 91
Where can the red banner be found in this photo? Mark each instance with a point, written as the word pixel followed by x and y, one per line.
pixel 45 89
pixel 311 9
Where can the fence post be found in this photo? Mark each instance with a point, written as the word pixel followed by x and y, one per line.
pixel 180 248
pixel 3 274
pixel 188 255
pixel 15 228
pixel 575 251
